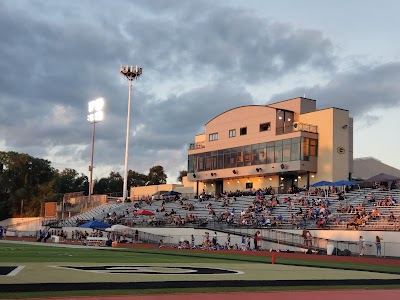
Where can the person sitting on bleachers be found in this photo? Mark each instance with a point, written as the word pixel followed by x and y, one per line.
pixel 375 214
pixel 371 198
pixel 393 185
pixel 321 222
pixel 391 217
pixel 337 220
pixel 352 222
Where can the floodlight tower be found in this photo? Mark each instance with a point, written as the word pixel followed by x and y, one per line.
pixel 130 73
pixel 95 115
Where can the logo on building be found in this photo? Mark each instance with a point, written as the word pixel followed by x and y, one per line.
pixel 341 150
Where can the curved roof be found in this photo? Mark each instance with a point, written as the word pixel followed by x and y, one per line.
pixel 266 106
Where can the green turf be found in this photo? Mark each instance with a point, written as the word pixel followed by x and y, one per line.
pixel 31 253
pixel 188 291
pixel 23 253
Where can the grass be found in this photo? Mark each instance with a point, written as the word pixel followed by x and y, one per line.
pixel 100 293
pixel 26 253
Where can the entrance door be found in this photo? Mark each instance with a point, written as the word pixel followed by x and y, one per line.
pixel 219 187
pixel 287 183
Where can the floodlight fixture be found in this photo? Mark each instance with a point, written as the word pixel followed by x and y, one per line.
pixel 95 109
pixel 131 73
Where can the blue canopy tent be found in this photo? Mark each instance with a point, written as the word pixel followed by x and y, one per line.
pixel 321 183
pixel 343 182
pixel 95 225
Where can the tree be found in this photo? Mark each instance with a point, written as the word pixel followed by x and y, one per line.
pixel 136 179
pixel 21 177
pixel 115 182
pixel 181 175
pixel 69 181
pixel 157 175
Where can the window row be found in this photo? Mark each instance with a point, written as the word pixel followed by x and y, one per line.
pixel 265 153
pixel 243 131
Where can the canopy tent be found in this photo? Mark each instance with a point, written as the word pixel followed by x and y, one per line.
pixel 95 225
pixel 321 183
pixel 171 193
pixel 343 182
pixel 382 178
pixel 143 212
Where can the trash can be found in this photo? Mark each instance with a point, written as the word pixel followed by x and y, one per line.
pixel 56 239
pixel 329 248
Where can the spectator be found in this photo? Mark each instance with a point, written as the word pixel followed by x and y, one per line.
pixel 361 245
pixel 378 246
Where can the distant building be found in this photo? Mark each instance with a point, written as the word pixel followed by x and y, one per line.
pixel 366 167
pixel 283 145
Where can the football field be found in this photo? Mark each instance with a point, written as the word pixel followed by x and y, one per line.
pixel 33 269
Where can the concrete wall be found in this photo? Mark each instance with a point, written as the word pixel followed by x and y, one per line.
pixel 23 224
pixel 334 133
pixel 341 159
pixel 149 190
pixel 390 240
pixel 245 116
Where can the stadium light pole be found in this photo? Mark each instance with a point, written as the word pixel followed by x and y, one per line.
pixel 95 115
pixel 130 73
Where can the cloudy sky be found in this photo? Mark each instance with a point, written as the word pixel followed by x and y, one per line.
pixel 199 58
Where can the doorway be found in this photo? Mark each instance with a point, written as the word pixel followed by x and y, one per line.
pixel 219 187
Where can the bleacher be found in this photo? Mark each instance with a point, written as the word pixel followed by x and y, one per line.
pixel 242 203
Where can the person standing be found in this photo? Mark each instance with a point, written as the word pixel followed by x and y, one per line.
pixel 361 245
pixel 378 246
pixel 259 240
pixel 215 239
pixel 136 236
pixel 243 243
pixel 228 241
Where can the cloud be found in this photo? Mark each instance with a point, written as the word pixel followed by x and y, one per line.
pixel 199 59
pixel 360 90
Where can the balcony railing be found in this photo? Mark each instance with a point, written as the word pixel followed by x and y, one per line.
pixel 194 146
pixel 297 126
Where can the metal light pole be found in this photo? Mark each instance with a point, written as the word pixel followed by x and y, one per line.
pixel 95 115
pixel 130 73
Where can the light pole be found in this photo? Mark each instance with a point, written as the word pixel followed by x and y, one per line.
pixel 130 73
pixel 95 115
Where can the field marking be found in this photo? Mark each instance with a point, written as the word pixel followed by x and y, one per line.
pixel 149 270
pixel 15 271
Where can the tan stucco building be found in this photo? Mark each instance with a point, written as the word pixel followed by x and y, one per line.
pixel 284 144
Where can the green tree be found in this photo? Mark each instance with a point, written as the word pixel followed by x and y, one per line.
pixel 136 179
pixel 116 182
pixel 69 181
pixel 157 175
pixel 21 176
pixel 181 175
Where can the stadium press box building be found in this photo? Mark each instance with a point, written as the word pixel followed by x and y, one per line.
pixel 281 145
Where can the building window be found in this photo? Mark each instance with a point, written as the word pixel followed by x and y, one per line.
pixel 243 131
pixel 265 127
pixel 249 185
pixel 213 137
pixel 232 133
pixel 294 149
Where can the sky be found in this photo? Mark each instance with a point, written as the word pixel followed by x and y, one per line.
pixel 199 59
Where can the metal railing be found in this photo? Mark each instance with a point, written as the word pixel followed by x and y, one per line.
pixel 297 126
pixel 194 146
